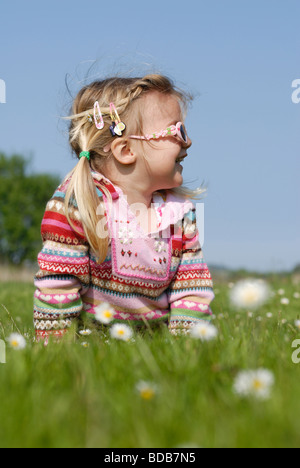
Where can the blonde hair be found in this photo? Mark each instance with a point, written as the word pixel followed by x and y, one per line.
pixel 84 136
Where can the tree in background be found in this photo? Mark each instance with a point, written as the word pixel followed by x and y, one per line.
pixel 23 198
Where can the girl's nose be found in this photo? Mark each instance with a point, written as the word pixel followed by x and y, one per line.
pixel 188 143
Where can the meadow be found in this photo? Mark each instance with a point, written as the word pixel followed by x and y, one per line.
pixel 85 391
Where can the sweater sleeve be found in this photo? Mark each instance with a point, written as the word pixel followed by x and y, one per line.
pixel 63 275
pixel 191 290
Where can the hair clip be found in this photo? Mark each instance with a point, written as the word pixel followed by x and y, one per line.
pixel 98 119
pixel 117 126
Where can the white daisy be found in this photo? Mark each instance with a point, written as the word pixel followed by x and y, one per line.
pixel 285 301
pixel 249 294
pixel 296 295
pixel 256 383
pixel 297 323
pixel 121 332
pixel 204 331
pixel 147 390
pixel 104 313
pixel 86 332
pixel 16 341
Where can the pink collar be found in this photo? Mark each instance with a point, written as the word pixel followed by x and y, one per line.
pixel 169 209
pixel 103 181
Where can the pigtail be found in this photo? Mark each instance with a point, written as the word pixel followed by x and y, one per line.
pixel 82 191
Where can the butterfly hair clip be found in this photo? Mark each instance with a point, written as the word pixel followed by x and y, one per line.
pixel 117 127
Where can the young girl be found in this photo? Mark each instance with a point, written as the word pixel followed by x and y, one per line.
pixel 120 229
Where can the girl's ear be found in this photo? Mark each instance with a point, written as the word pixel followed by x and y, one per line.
pixel 122 152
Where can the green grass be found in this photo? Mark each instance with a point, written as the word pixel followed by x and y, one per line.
pixel 66 395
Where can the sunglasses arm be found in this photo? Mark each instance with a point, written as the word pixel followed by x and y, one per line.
pixel 169 131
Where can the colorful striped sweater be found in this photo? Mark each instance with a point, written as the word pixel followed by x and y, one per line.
pixel 153 277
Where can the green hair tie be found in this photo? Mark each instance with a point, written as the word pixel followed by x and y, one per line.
pixel 85 154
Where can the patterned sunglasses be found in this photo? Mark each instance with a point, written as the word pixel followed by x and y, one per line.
pixel 177 130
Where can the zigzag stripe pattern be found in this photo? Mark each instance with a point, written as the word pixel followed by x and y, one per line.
pixel 59 268
pixel 66 260
pixel 143 268
pixel 194 274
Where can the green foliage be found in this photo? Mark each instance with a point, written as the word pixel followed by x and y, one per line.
pixel 67 395
pixel 23 197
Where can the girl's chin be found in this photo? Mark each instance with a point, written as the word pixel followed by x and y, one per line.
pixel 178 180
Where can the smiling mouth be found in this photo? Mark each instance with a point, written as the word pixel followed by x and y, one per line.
pixel 181 158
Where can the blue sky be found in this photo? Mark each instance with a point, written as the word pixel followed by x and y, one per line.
pixel 238 57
